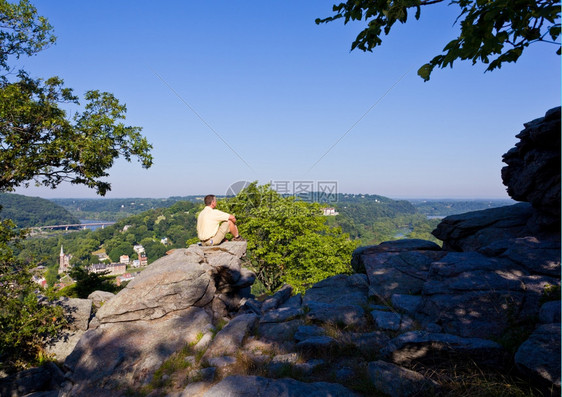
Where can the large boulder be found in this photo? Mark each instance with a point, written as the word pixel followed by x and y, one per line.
pixel 339 290
pixel 34 381
pixel 120 355
pixel 238 385
pixel 532 173
pixel 419 346
pixel 397 381
pixel 403 272
pixel 77 311
pixel 169 305
pixel 476 229
pixel 169 284
pixel 471 295
pixel 358 256
pixel 539 356
pixel 230 338
pixel 99 298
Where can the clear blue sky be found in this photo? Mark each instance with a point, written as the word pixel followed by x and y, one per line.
pixel 281 90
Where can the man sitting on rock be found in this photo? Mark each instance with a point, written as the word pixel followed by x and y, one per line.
pixel 213 224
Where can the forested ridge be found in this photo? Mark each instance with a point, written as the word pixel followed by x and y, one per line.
pixel 107 209
pixel 33 211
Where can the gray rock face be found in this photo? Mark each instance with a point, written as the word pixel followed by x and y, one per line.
pixel 98 298
pixel 229 339
pixel 534 255
pixel 258 386
pixel 400 382
pixel 279 332
pixel 336 314
pixel 294 302
pixel 339 290
pixel 308 331
pixel 64 345
pixel 406 303
pixel 550 312
pixel 403 245
pixel 539 355
pixel 473 230
pixel 392 273
pixel 419 345
pixel 278 298
pixel 77 311
pixel 532 173
pixel 35 380
pixel 158 313
pixel 280 315
pixel 125 353
pixel 387 320
pixel 471 295
pixel 317 343
pixel 167 285
pixel 370 342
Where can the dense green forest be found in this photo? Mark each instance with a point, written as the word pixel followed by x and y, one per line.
pixel 33 211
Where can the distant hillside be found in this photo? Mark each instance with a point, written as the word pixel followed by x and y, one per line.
pixel 115 209
pixel 33 211
pixel 453 207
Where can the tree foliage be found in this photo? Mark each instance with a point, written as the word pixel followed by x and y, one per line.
pixel 288 240
pixel 87 282
pixel 26 323
pixel 22 31
pixel 40 142
pixel 491 31
pixel 33 211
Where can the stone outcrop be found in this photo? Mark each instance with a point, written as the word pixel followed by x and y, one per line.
pixel 265 387
pixel 532 173
pixel 46 379
pixel 167 306
pixel 99 298
pixel 540 354
pixel 400 382
pixel 473 230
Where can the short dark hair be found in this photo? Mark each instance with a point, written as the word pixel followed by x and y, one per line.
pixel 209 199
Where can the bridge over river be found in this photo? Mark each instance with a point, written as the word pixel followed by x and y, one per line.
pixel 73 225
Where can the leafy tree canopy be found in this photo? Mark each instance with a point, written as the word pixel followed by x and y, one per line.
pixel 38 141
pixel 288 240
pixel 491 31
pixel 22 31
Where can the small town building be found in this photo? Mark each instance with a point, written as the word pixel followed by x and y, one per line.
pixel 112 269
pixel 39 280
pixel 124 259
pixel 330 211
pixel 123 278
pixel 64 261
pixel 143 260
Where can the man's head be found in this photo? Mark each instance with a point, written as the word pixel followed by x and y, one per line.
pixel 209 199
